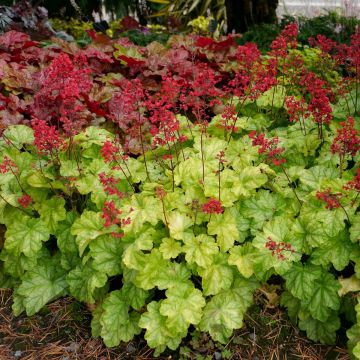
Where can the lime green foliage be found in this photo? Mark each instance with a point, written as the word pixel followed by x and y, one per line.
pixel 171 265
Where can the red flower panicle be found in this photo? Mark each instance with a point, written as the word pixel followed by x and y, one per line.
pixel 110 213
pixel 25 200
pixel 213 206
pixel 46 137
pixel 278 249
pixel 354 183
pixel 268 147
pixel 347 141
pixel 331 199
pixel 297 109
pixel 7 165
pixel 109 184
pixel 109 151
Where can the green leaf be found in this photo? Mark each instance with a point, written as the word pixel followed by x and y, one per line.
pixel 65 240
pixel 88 227
pixel 25 235
pixel 107 254
pixel 335 251
pixel 69 168
pixel 134 296
pixel 15 264
pixel 19 135
pixel 144 209
pixel 316 330
pixel 292 304
pixel 262 206
pixel 173 275
pixel 170 248
pixel 52 211
pixel 178 224
pixel 157 334
pixel 250 178
pixel 182 307
pixel 225 311
pixel 225 227
pixel 200 249
pixel 242 257
pixel 350 284
pixel 355 229
pixel 324 297
pixel 84 282
pixel 154 264
pixel 42 284
pixel 116 323
pixel 95 321
pixel 300 280
pixel 216 277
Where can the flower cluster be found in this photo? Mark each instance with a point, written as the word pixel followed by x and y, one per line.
pixel 47 138
pixel 25 200
pixel 8 165
pixel 347 141
pixel 354 183
pixel 297 109
pixel 109 151
pixel 332 199
pixel 212 206
pixel 278 249
pixel 109 184
pixel 269 147
pixel 110 213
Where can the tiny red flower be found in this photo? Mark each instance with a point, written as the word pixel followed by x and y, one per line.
pixel 110 213
pixel 331 199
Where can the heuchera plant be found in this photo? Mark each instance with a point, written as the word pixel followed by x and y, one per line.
pixel 165 185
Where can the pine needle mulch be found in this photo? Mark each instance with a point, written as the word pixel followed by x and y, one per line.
pixel 62 332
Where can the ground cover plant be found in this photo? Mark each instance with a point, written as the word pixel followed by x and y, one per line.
pixel 163 185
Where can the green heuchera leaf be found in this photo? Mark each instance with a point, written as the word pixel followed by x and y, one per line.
pixel 325 296
pixel 51 212
pixel 200 250
pixel 313 177
pixel 154 265
pixel 19 135
pixel 308 233
pixel 250 178
pixel 242 257
pixel 225 311
pixel 316 330
pixel 262 206
pixel 143 209
pixel 300 280
pixel 355 229
pixel 178 224
pixel 182 307
pixel 43 283
pixel 84 282
pixel 16 265
pixel 117 323
pixel 170 248
pixel 65 240
pixel 173 275
pixel 69 168
pixel 292 304
pixel 107 254
pixel 25 235
pixel 316 288
pixel 273 97
pixel 225 227
pixel 88 227
pixel 135 297
pixel 335 251
pixel 216 277
pixel 158 335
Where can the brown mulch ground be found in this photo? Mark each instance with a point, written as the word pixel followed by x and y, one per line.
pixel 62 332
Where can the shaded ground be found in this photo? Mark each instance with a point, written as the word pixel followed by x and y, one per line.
pixel 62 332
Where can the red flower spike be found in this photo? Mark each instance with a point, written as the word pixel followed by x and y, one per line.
pixel 110 214
pixel 278 249
pixel 331 199
pixel 347 141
